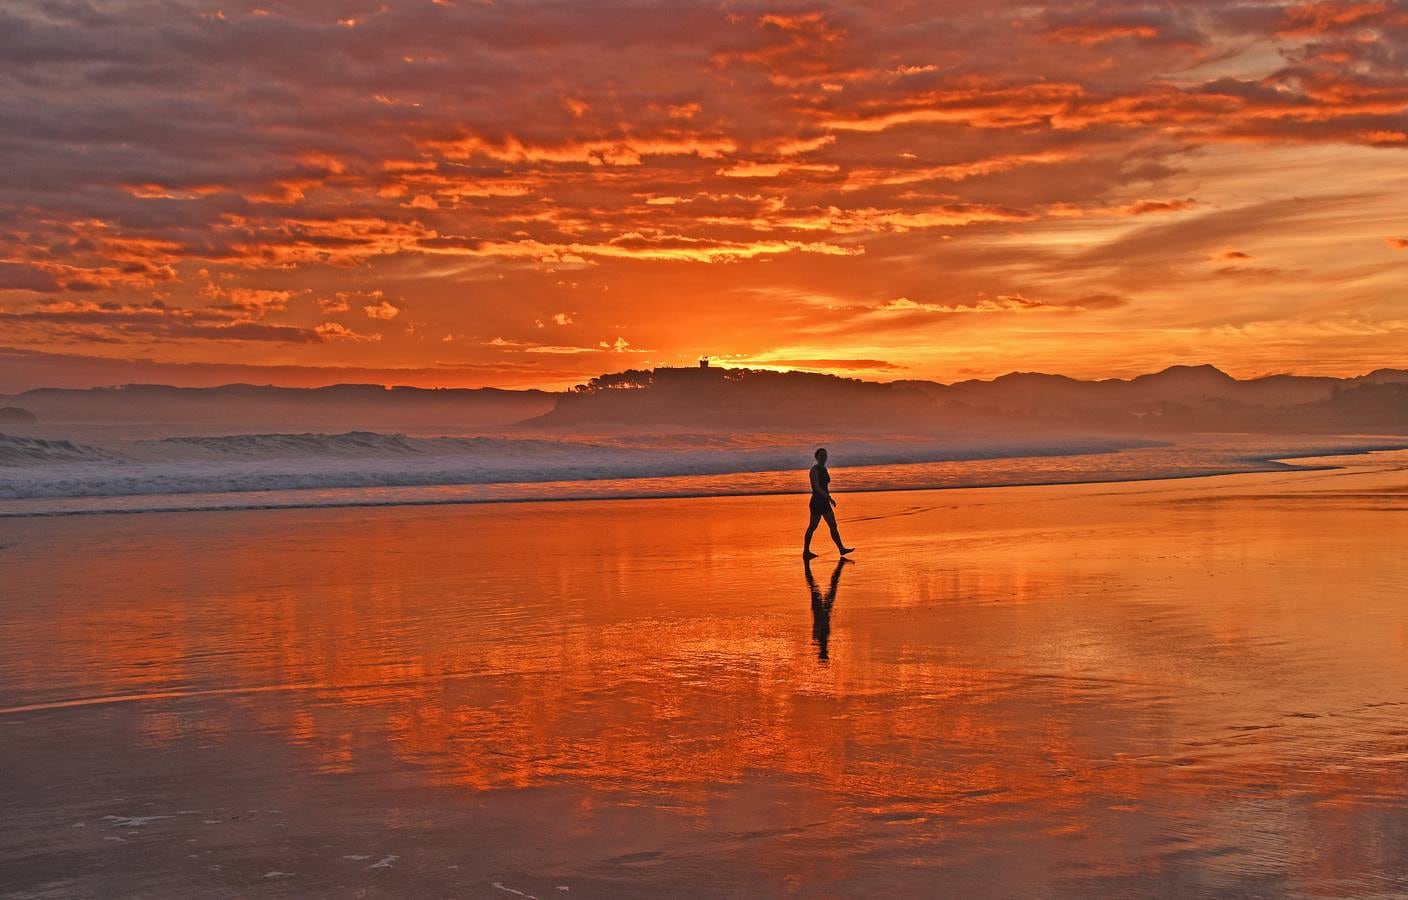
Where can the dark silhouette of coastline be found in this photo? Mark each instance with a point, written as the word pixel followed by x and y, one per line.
pixel 821 607
pixel 1179 399
pixel 737 398
pixel 344 406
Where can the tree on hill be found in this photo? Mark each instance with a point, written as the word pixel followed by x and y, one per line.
pixel 631 379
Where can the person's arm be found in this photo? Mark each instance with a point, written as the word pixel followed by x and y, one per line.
pixel 816 483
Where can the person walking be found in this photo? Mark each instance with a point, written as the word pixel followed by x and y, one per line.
pixel 822 504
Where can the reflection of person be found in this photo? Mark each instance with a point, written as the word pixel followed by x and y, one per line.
pixel 821 504
pixel 821 607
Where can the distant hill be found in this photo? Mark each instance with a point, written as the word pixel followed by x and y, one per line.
pixel 1177 399
pixel 14 415
pixel 1383 376
pixel 1187 385
pixel 737 398
pixel 338 406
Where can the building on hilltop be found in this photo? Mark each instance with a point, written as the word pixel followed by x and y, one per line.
pixel 690 374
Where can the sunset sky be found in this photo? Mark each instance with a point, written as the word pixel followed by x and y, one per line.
pixel 529 193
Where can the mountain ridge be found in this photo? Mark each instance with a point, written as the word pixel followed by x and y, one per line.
pixel 237 403
pixel 1178 397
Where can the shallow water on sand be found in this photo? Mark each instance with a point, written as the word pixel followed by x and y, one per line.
pixel 1193 687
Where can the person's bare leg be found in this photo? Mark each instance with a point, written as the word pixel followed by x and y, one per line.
pixel 807 544
pixel 836 533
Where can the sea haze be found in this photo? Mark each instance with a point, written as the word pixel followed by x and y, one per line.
pixel 135 469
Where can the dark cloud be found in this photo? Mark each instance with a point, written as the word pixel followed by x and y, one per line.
pixel 118 323
pixel 15 277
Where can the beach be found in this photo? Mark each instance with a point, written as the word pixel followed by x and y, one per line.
pixel 1190 686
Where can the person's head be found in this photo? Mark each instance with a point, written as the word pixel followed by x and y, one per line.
pixel 821 455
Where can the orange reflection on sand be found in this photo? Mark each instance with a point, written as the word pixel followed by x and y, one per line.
pixel 1101 668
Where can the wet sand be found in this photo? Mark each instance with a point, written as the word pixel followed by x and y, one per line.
pixel 1191 687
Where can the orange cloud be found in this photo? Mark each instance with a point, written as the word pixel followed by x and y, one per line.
pixel 382 309
pixel 857 179
pixel 749 169
pixel 1135 208
pixel 334 331
pixel 1329 16
pixel 984 305
pixel 672 248
pixel 1091 34
pixel 598 152
pixel 978 103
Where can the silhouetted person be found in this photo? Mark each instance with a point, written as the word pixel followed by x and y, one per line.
pixel 821 607
pixel 821 507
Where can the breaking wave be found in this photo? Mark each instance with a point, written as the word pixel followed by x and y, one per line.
pixel 360 468
pixel 361 459
pixel 353 443
pixel 17 451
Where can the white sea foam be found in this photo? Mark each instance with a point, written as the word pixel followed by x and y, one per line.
pixel 71 473
pixel 35 468
pixel 133 821
pixel 25 451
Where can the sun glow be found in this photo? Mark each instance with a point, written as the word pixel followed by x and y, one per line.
pixel 687 195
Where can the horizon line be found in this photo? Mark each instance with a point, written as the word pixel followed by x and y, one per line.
pixel 390 386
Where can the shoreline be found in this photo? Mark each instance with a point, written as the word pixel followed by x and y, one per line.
pixel 1269 464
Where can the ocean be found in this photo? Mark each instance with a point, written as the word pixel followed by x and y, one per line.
pixel 130 469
